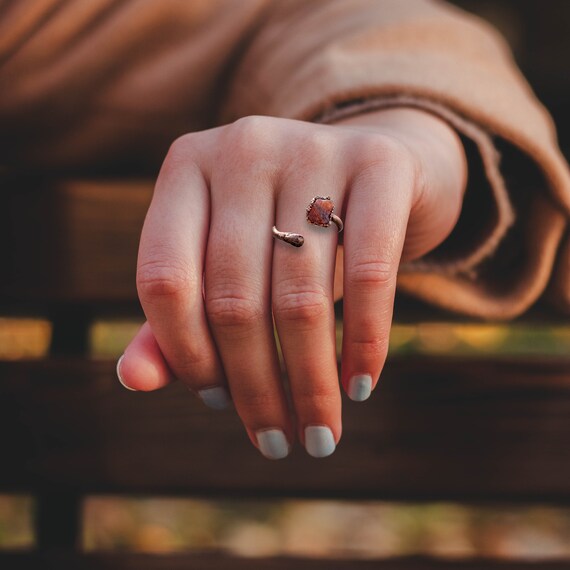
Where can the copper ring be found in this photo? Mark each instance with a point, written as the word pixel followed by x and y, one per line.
pixel 294 239
pixel 319 213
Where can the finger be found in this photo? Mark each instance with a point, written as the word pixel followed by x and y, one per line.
pixel 142 366
pixel 338 274
pixel 237 290
pixel 304 315
pixel 169 275
pixel 377 212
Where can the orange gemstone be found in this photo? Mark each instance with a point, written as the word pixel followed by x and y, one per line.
pixel 320 211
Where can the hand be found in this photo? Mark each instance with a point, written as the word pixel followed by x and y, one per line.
pixel 397 179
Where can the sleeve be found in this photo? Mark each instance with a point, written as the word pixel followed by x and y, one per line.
pixel 323 60
pixel 105 86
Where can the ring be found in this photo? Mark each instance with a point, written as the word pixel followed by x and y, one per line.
pixel 319 213
pixel 294 239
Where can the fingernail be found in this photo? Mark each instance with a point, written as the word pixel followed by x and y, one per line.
pixel 360 387
pixel 319 441
pixel 272 443
pixel 119 375
pixel 216 397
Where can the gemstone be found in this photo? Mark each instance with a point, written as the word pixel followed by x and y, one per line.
pixel 320 211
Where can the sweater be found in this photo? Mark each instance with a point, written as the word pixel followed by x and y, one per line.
pixel 98 85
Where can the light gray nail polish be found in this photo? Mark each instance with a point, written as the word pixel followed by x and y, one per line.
pixel 272 443
pixel 319 441
pixel 119 375
pixel 216 397
pixel 360 387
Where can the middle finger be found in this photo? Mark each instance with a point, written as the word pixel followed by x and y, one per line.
pixel 237 297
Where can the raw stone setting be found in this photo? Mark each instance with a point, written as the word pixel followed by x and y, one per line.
pixel 320 210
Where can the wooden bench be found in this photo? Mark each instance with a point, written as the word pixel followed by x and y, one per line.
pixel 474 429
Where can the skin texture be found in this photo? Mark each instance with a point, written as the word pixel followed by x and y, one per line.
pixel 397 178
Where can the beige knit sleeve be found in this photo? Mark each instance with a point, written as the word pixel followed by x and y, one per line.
pixel 322 60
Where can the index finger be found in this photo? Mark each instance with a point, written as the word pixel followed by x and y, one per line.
pixel 170 270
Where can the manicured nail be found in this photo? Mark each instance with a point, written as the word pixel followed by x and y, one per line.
pixel 216 398
pixel 319 441
pixel 360 387
pixel 272 443
pixel 119 375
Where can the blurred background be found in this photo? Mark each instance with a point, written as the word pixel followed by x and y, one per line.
pixel 538 33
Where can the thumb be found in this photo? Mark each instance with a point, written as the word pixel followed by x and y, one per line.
pixel 142 366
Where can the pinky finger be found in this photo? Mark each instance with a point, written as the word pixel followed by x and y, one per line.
pixel 377 214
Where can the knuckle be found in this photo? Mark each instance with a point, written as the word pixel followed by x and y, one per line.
pixel 373 272
pixel 382 147
pixel 248 145
pixel 253 402
pixel 394 149
pixel 317 399
pixel 384 153
pixel 373 347
pixel 306 305
pixel 164 278
pixel 180 151
pixel 232 310
pixel 251 132
pixel 191 366
pixel 184 155
pixel 318 146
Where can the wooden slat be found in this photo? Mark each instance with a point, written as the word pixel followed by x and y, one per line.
pixel 70 241
pixel 73 243
pixel 435 429
pixel 125 561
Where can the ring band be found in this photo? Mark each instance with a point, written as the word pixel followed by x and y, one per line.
pixel 294 239
pixel 338 222
pixel 319 213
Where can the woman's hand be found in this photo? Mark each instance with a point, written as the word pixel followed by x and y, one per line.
pixel 397 179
